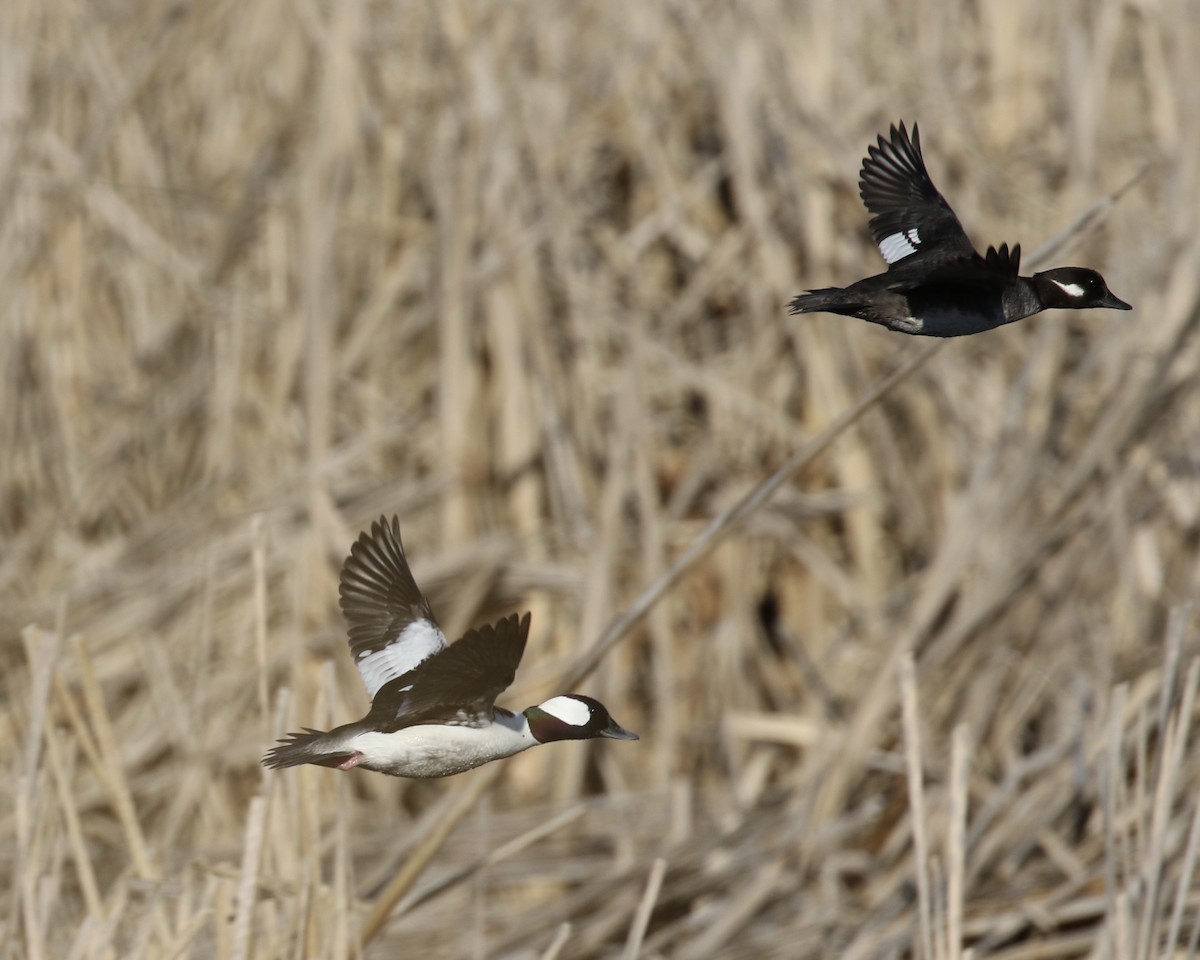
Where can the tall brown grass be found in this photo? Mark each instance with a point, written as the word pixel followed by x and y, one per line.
pixel 516 272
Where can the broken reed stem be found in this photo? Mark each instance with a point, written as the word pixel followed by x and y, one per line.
pixel 641 919
pixel 1172 739
pixel 248 881
pixel 561 936
pixel 79 848
pixel 343 886
pixel 23 905
pixel 937 894
pixel 258 557
pixel 1184 886
pixel 956 839
pixel 916 798
pixel 41 652
pixel 1115 849
pixel 111 771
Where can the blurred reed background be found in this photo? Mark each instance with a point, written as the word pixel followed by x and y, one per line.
pixel 517 272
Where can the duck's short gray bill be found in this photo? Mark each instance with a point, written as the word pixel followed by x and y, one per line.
pixel 617 732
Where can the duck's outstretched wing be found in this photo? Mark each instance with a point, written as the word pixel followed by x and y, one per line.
pixel 392 629
pixel 909 217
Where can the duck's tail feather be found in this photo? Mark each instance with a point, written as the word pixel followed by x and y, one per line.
pixel 311 746
pixel 825 299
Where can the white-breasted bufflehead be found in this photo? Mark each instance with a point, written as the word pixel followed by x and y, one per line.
pixel 936 284
pixel 432 705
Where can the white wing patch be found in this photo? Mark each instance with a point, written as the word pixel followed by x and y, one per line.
pixel 570 711
pixel 1070 289
pixel 416 642
pixel 897 246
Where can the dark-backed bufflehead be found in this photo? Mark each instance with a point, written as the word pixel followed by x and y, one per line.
pixel 936 284
pixel 432 705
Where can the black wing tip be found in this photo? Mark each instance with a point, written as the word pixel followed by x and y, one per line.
pixel 514 625
pixel 520 623
pixel 893 168
pixel 381 546
pixel 913 141
pixel 1002 258
pixel 517 622
pixel 899 137
pixel 381 536
pixel 382 531
pixel 898 140
pixel 521 626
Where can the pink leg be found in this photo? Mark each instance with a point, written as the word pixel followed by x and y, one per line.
pixel 350 762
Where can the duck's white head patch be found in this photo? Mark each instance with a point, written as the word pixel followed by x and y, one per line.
pixel 1070 289
pixel 569 710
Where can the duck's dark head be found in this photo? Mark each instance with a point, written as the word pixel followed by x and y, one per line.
pixel 1076 288
pixel 573 717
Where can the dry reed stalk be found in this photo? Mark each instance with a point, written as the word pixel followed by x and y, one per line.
pixel 956 830
pixel 109 767
pixel 493 857
pixel 561 936
pixel 247 887
pixel 637 932
pixel 719 525
pixel 916 795
pixel 79 850
pixel 258 559
pixel 464 801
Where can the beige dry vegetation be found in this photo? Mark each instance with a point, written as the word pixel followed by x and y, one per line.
pixel 516 272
